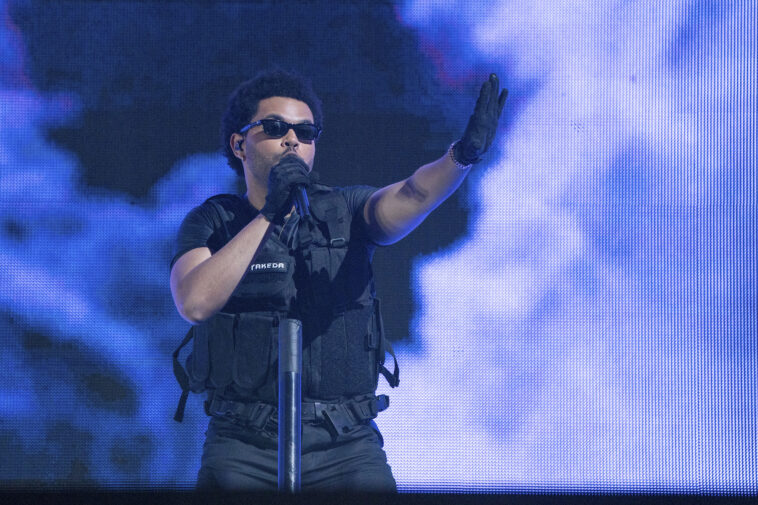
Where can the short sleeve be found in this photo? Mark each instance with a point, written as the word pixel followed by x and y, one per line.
pixel 195 231
pixel 356 197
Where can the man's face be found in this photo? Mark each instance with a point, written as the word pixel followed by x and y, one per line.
pixel 260 152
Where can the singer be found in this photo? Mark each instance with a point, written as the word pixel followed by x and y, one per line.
pixel 242 262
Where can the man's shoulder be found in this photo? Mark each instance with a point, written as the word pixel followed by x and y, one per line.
pixel 227 203
pixel 226 200
pixel 347 192
pixel 221 208
pixel 320 192
pixel 351 199
pixel 320 187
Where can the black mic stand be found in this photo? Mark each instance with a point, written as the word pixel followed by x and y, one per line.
pixel 290 381
pixel 290 416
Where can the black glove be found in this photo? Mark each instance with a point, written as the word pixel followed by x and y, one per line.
pixel 291 171
pixel 481 127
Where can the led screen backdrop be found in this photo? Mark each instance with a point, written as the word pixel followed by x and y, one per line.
pixel 580 315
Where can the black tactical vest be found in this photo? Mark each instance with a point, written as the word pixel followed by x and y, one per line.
pixel 322 282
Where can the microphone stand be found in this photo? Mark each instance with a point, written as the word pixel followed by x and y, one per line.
pixel 290 382
pixel 290 416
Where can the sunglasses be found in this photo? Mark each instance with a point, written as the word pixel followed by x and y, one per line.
pixel 275 128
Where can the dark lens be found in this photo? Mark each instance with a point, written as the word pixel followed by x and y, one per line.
pixel 277 129
pixel 306 132
pixel 274 128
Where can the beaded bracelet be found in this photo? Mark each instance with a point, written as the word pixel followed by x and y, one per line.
pixel 452 157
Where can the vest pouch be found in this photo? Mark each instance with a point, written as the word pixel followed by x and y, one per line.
pixel 254 342
pixel 351 368
pixel 197 364
pixel 208 365
pixel 329 281
pixel 339 277
pixel 334 218
pixel 325 286
pixel 268 280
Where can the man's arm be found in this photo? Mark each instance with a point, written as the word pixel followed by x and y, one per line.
pixel 202 283
pixel 395 210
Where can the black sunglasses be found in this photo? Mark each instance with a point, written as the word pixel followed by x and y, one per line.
pixel 275 128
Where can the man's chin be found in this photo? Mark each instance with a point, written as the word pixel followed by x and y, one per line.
pixel 291 155
pixel 294 155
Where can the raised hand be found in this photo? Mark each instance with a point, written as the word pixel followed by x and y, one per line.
pixel 482 125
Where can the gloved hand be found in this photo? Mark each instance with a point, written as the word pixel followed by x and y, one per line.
pixel 290 172
pixel 481 127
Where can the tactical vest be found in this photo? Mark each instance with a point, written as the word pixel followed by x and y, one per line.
pixel 325 284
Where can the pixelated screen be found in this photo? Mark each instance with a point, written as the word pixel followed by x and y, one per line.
pixel 579 316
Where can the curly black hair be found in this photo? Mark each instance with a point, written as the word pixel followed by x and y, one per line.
pixel 243 104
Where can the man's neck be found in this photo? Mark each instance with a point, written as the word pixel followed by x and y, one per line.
pixel 256 197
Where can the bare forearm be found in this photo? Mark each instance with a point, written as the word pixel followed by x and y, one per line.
pixel 395 210
pixel 206 288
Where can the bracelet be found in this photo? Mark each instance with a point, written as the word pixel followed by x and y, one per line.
pixel 458 164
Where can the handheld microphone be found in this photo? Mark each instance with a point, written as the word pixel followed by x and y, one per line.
pixel 298 195
pixel 301 201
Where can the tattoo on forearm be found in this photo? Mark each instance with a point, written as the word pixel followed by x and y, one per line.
pixel 412 191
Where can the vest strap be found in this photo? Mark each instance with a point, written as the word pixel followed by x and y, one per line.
pixel 393 378
pixel 305 236
pixel 181 377
pixel 329 210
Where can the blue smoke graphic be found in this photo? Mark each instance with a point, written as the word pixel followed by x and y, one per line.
pixel 87 317
pixel 595 329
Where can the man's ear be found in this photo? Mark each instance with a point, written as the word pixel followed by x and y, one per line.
pixel 236 142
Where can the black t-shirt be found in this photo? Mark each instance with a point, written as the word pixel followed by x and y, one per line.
pixel 209 226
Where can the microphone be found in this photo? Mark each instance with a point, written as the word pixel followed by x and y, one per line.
pixel 298 195
pixel 301 201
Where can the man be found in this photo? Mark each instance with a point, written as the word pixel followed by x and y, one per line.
pixel 242 262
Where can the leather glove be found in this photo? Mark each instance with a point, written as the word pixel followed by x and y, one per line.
pixel 291 171
pixel 481 127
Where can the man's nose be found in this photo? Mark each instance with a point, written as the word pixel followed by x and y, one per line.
pixel 290 139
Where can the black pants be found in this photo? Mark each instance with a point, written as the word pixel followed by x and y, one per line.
pixel 240 458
